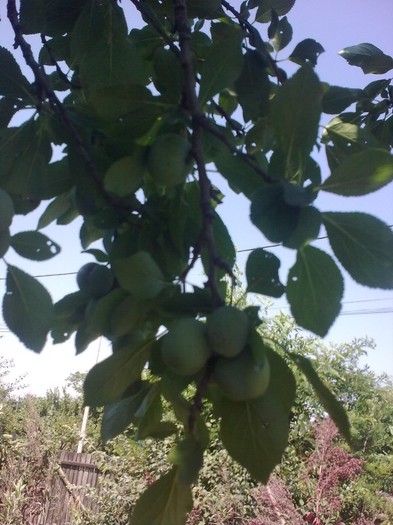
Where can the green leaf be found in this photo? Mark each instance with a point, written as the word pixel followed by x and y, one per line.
pixel 344 134
pixel 262 273
pixel 32 16
pixel 361 173
pixel 107 381
pixel 27 308
pixel 253 86
pixel 12 82
pixel 168 75
pixel 34 245
pixel 306 230
pixel 240 176
pixel 295 114
pixel 264 13
pixel 125 176
pixel 255 433
pixel 140 275
pixel 272 215
pixel 119 415
pixel 222 66
pixel 314 290
pixel 369 57
pixel 337 98
pixel 283 34
pixel 364 246
pixel 307 50
pixel 187 455
pixel 5 240
pixel 54 210
pixel 166 502
pixel 333 407
pixel 69 313
pixel 225 249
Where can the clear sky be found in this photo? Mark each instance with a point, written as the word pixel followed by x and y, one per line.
pixel 335 24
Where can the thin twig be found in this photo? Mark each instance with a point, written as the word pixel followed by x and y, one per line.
pixel 251 32
pixel 61 74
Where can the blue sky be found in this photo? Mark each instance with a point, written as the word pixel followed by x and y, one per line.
pixel 335 24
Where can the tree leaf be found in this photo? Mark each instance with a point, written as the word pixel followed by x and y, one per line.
pixel 140 275
pixel 333 407
pixel 307 50
pixel 262 273
pixel 27 308
pixel 225 249
pixel 272 215
pixel 12 82
pixel 166 502
pixel 255 433
pixel 222 66
pixel 240 176
pixel 108 380
pixel 369 57
pixel 187 455
pixel 338 98
pixel 119 415
pixel 307 228
pixel 264 13
pixel 314 290
pixel 32 16
pixel 283 34
pixel 364 246
pixel 361 173
pixel 54 210
pixel 253 87
pixel 295 114
pixel 34 245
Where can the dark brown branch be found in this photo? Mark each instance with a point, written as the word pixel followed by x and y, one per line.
pixel 190 104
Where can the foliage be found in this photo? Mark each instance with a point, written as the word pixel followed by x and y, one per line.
pixel 139 115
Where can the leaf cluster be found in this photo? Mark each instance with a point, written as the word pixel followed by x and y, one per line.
pixel 141 115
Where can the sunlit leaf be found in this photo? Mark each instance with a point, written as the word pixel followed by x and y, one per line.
pixel 361 173
pixel 369 57
pixel 107 381
pixel 166 501
pixel 140 275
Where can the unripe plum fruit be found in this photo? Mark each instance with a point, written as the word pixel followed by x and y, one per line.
pixel 227 330
pixel 185 349
pixel 241 378
pixel 168 159
pixel 95 280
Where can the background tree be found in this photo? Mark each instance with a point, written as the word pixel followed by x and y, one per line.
pixel 140 116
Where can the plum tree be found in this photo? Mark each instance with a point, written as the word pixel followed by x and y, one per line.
pixel 153 112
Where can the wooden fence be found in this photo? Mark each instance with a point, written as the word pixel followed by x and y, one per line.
pixel 73 476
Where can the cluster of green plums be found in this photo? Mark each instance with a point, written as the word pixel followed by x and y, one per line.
pixel 237 352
